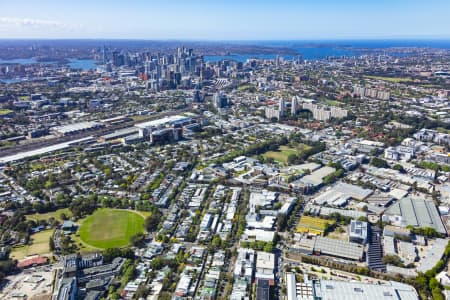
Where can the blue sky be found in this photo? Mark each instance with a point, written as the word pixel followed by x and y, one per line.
pixel 225 19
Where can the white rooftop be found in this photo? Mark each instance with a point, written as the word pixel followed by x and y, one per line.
pixel 265 260
pixel 343 290
pixel 160 122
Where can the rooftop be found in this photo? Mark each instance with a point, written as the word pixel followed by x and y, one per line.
pixel 265 260
pixel 417 212
pixel 163 121
pixel 339 248
pixel 343 290
pixel 316 177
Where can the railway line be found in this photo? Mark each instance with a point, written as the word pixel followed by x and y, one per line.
pixel 33 145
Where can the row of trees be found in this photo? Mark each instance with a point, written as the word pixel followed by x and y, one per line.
pixel 255 149
pixel 259 245
pixel 7 266
pixel 83 205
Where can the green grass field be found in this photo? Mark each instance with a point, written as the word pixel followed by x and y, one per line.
pixel 39 245
pixel 5 112
pixel 332 102
pixel 281 155
pixel 390 79
pixel 55 214
pixel 109 228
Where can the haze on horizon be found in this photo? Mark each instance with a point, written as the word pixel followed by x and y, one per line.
pixel 225 19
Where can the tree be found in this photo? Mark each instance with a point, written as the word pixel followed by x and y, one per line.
pixel 142 292
pixel 48 184
pixel 152 222
pixel 437 294
pixel 363 218
pixel 291 159
pixel 399 168
pixel 379 163
pixel 433 283
pixel 111 253
pixel 51 243
pixel 157 263
pixel 216 242
pixel 137 239
pixel 268 247
pixel 281 222
pixel 7 267
pixel 393 260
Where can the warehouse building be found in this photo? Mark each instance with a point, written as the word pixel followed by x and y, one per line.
pixel 415 212
pixel 433 255
pixel 338 248
pixel 341 193
pixel 336 290
pixel 76 128
pixel 330 247
pixel 345 290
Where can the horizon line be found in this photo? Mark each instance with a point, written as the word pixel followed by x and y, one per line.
pixel 233 40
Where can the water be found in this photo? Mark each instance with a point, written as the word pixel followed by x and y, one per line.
pixel 308 53
pixel 369 44
pixel 22 61
pixel 238 57
pixel 9 81
pixel 316 50
pixel 83 64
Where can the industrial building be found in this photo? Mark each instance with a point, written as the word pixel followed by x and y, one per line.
pixel 341 193
pixel 313 180
pixel 339 248
pixel 433 255
pixel 415 212
pixel 76 128
pixel 331 247
pixel 165 129
pixel 345 290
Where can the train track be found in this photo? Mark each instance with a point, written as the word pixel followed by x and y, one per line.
pixel 32 145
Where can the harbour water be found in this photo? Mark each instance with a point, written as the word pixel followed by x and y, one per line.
pixel 316 50
pixel 308 53
pixel 83 64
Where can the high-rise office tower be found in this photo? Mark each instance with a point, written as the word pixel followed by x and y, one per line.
pixel 294 105
pixel 281 107
pixel 220 100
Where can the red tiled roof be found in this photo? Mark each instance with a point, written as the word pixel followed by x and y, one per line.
pixel 32 261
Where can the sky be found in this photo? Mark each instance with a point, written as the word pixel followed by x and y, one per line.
pixel 225 19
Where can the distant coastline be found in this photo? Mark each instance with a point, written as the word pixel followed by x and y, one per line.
pixel 232 50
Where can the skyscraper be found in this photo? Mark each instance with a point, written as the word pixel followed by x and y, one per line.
pixel 220 100
pixel 277 61
pixel 281 107
pixel 294 105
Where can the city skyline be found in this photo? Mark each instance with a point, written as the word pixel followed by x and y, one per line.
pixel 225 20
